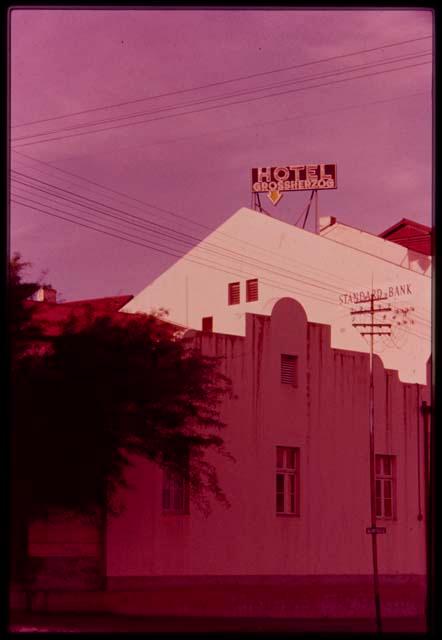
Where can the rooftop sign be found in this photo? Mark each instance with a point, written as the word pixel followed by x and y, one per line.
pixel 295 177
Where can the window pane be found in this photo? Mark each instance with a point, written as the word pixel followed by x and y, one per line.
pixel 280 502
pixel 292 503
pixel 290 459
pixel 378 465
pixel 291 478
pixel 387 489
pixel 378 489
pixel 279 483
pixel 387 465
pixel 279 457
pixel 388 508
pixel 378 507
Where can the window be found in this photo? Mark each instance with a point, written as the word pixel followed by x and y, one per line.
pixel 207 324
pixel 234 297
pixel 287 481
pixel 385 487
pixel 251 290
pixel 289 369
pixel 175 492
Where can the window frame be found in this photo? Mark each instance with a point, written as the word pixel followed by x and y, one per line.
pixel 291 494
pixel 384 479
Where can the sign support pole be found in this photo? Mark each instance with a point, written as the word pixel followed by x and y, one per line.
pixel 317 212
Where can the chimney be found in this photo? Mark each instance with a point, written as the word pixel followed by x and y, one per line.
pixel 326 221
pixel 46 294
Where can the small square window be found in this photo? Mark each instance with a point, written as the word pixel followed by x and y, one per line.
pixel 207 324
pixel 234 293
pixel 251 290
pixel 289 369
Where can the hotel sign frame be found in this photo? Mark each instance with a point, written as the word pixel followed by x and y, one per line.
pixel 297 177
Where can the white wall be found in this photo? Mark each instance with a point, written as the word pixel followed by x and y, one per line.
pixel 318 270
pixel 326 417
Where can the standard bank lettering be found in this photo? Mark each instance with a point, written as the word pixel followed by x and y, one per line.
pixel 355 297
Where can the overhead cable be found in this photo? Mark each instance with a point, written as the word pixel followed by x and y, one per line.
pixel 83 125
pixel 227 104
pixel 228 81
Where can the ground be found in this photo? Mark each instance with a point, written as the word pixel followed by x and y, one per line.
pixel 21 622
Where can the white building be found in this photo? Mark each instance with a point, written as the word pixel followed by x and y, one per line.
pixel 274 302
pixel 252 260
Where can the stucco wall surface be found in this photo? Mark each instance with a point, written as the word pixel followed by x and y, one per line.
pixel 326 417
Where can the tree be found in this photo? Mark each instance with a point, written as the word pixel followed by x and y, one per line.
pixel 107 389
pixel 22 329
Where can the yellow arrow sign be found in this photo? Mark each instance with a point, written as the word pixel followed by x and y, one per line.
pixel 274 196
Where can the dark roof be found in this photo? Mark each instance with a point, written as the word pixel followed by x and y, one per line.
pixel 410 234
pixel 52 314
pixel 405 222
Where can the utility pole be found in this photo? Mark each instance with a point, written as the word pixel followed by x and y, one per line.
pixel 426 410
pixel 371 329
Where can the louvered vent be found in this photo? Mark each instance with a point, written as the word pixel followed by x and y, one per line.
pixel 252 290
pixel 289 366
pixel 234 293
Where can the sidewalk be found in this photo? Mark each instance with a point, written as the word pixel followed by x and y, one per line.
pixel 21 622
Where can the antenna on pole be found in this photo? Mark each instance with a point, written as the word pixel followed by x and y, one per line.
pixel 371 329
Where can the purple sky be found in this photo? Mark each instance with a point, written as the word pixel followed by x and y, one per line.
pixel 377 128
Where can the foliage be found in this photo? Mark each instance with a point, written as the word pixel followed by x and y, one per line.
pixel 22 329
pixel 106 391
pixel 103 391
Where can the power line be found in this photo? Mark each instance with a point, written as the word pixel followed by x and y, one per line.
pixel 400 266
pixel 96 202
pixel 255 263
pixel 206 264
pixel 227 104
pixel 107 230
pixel 347 70
pixel 254 125
pixel 191 237
pixel 226 253
pixel 262 249
pixel 92 182
pixel 170 251
pixel 224 82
